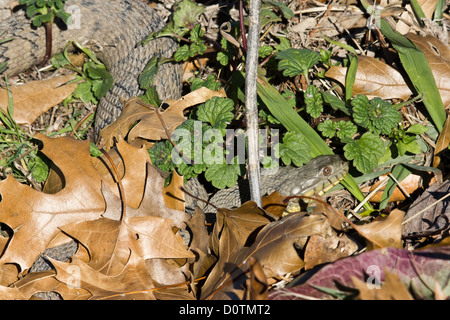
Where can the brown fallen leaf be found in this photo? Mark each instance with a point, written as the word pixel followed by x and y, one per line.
pixel 442 144
pixel 328 247
pixel 241 222
pixel 410 184
pixel 384 232
pixel 256 287
pixel 149 124
pixel 35 221
pixel 374 78
pixel 131 164
pixel 173 195
pixel 276 247
pixel 36 97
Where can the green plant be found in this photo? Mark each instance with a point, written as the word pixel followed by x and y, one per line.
pixel 94 80
pixel 18 153
pixel 45 12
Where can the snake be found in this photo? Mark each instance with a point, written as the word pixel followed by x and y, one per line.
pixel 114 30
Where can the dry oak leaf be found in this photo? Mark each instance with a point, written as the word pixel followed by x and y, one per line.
pixel 374 78
pixel 34 216
pixel 384 232
pixel 131 164
pixel 111 240
pixel 149 124
pixel 132 282
pixel 45 281
pixel 275 247
pixel 438 57
pixel 36 97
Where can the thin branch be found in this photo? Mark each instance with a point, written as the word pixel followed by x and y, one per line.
pixel 251 99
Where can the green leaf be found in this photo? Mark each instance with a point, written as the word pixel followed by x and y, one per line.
pixel 216 111
pixel 161 155
pixel 148 74
pixel 335 102
pixel 328 128
pixel 151 96
pixel 365 152
pixel 294 149
pixel 59 61
pixel 294 62
pixel 350 77
pixel 419 72
pixel 94 150
pixel 342 129
pixel 264 51
pixel 222 58
pixel 103 80
pixel 292 121
pixel 224 175
pixel 84 92
pixel 285 10
pixel 417 129
pixel 182 54
pixel 313 101
pixel 377 115
pixel 210 83
pixel 186 13
pixel 39 169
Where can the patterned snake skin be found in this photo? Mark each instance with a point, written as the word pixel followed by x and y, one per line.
pixel 113 29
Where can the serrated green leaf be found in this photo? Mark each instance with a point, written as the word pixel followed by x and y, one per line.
pixel 182 53
pixel 161 155
pixel 377 115
pixel 216 111
pixel 294 149
pixel 186 13
pixel 328 128
pixel 294 62
pixel 313 101
pixel 346 129
pixel 224 175
pixel 365 152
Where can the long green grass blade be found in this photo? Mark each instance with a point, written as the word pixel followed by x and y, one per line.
pixel 419 72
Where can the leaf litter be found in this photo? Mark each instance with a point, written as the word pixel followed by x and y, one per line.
pixel 130 244
pixel 129 233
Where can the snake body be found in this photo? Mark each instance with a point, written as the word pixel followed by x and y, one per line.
pixel 113 30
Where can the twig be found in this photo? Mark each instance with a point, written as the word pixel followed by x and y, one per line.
pixel 251 100
pixel 242 25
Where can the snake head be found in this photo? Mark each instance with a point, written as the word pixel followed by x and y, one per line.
pixel 317 177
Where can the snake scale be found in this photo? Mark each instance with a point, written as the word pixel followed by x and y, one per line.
pixel 115 28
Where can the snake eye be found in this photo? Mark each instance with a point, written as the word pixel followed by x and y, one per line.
pixel 326 171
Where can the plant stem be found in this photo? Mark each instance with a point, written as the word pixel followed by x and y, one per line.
pixel 242 25
pixel 48 43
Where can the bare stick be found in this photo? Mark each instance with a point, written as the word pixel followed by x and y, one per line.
pixel 251 100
